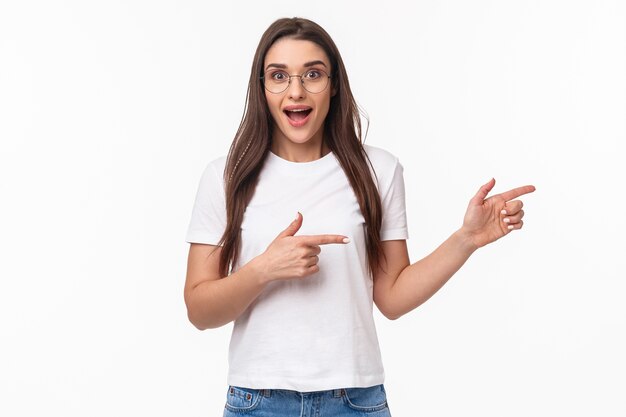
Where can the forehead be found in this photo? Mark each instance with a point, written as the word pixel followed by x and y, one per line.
pixel 294 53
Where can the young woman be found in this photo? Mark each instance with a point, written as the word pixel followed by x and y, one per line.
pixel 301 228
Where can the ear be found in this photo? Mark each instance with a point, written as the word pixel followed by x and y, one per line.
pixel 333 92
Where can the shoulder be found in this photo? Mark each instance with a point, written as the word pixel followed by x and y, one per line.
pixel 380 158
pixel 386 168
pixel 218 163
pixel 213 173
pixel 215 167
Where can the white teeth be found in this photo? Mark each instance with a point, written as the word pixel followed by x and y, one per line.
pixel 298 110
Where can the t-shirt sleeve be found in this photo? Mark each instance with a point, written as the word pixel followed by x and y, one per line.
pixel 394 225
pixel 208 217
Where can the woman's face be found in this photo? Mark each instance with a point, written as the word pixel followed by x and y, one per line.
pixel 295 57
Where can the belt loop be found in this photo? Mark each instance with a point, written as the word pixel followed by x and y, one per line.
pixel 266 392
pixel 337 393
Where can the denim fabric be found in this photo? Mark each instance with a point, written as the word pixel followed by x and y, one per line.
pixel 370 401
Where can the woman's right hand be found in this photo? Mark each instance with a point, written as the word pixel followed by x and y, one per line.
pixel 290 256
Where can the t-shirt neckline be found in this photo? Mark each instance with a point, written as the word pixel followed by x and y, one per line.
pixel 275 161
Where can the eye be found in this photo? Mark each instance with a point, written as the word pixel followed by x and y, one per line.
pixel 278 76
pixel 313 74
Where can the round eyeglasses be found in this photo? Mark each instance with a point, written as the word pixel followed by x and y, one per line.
pixel 277 81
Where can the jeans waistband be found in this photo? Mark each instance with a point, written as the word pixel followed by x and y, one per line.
pixel 335 392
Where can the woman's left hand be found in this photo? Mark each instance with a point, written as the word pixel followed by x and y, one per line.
pixel 488 219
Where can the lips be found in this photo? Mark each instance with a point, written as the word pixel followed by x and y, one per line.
pixel 297 115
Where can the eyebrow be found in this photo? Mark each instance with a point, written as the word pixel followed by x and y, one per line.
pixel 306 64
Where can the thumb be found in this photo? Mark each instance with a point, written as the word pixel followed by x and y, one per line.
pixel 480 196
pixel 293 228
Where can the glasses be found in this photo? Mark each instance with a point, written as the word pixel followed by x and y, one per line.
pixel 277 81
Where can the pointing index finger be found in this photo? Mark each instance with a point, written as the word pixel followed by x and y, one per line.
pixel 323 239
pixel 516 192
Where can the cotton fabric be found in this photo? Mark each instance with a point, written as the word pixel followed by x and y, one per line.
pixel 316 333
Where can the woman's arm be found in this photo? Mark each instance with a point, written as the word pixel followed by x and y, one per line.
pixel 400 287
pixel 213 301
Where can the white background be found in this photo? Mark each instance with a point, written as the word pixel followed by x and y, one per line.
pixel 109 112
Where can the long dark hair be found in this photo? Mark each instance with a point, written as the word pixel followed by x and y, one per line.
pixel 342 134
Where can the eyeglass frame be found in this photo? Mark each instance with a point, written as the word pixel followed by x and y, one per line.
pixel 262 78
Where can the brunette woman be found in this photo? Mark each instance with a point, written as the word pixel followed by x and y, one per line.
pixel 301 228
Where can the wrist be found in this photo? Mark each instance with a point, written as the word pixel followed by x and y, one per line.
pixel 466 240
pixel 258 268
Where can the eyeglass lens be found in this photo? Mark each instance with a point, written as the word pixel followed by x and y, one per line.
pixel 313 81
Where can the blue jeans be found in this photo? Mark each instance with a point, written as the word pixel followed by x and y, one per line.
pixel 243 402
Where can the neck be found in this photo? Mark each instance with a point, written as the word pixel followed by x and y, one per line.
pixel 300 152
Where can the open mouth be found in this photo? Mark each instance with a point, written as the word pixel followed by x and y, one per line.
pixel 298 115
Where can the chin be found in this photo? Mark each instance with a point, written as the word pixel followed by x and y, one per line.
pixel 299 137
pixel 300 141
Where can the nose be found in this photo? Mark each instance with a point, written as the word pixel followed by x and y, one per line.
pixel 295 88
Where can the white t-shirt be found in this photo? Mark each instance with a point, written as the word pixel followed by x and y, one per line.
pixel 315 333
